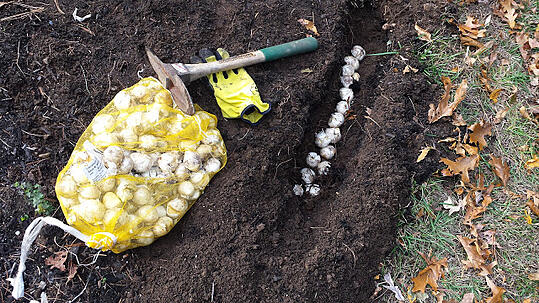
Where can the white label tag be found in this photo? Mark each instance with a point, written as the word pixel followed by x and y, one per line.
pixel 95 170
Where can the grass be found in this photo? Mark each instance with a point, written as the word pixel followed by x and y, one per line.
pixel 425 226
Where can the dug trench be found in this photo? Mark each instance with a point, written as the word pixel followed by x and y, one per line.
pixel 248 238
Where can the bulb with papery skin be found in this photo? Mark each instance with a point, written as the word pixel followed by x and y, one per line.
pixel 141 162
pixel 346 94
pixel 122 100
pixel 111 200
pixel 142 196
pixel 192 160
pixel 328 152
pixel 89 192
pixel 336 120
pixel 298 190
pixel 212 165
pixel 347 70
pixel 313 189
pixel 148 213
pixel 102 123
pixel 334 134
pixel 307 175
pixel 322 139
pixel 352 61
pixel 342 107
pixel 177 207
pixel 358 52
pixel 312 159
pixel 67 186
pixel 323 168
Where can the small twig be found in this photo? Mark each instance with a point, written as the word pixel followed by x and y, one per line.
pixel 5 143
pixel 212 290
pixel 31 134
pixel 83 290
pixel 113 66
pixel 85 80
pixel 383 54
pixel 353 254
pixel 58 7
pixel 18 56
pixel 21 15
pixel 276 168
pixel 244 135
pixel 346 134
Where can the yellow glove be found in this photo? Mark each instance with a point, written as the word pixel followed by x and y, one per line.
pixel 235 91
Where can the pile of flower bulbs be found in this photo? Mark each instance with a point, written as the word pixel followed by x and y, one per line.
pixel 325 140
pixel 139 166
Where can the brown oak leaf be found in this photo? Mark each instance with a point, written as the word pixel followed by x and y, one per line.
pixel 533 201
pixel 497 292
pixel 423 34
pixel 309 25
pixel 479 131
pixel 470 41
pixel 57 260
pixel 478 254
pixel 444 109
pixel 430 274
pixel 460 166
pixel 500 168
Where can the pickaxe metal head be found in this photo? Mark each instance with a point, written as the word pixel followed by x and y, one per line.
pixel 171 80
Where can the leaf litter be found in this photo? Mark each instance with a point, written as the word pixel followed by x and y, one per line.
pixel 430 274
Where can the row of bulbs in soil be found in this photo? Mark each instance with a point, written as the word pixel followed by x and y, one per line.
pixel 325 140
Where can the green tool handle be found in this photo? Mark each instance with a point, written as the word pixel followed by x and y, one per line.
pixel 297 47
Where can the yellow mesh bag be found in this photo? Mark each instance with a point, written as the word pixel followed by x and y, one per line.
pixel 138 167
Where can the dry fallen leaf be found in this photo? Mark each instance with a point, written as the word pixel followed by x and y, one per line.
pixel 457 120
pixel 470 41
pixel 477 255
pixel 72 270
pixel 495 94
pixel 468 298
pixel 57 260
pixel 533 201
pixel 532 163
pixel 471 28
pixel 497 292
pixel 444 109
pixel 430 274
pixel 408 69
pixel 452 207
pixel 500 168
pixel 500 115
pixel 423 153
pixel 309 25
pixel 460 166
pixel 423 34
pixel 479 131
pixel 534 276
pixel 485 80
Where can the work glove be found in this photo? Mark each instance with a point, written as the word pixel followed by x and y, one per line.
pixel 235 91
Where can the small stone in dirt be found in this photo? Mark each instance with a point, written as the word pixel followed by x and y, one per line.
pixel 260 227
pixel 17 233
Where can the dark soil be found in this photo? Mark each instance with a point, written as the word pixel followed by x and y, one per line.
pixel 248 238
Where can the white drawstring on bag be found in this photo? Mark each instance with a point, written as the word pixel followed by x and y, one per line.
pixel 30 235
